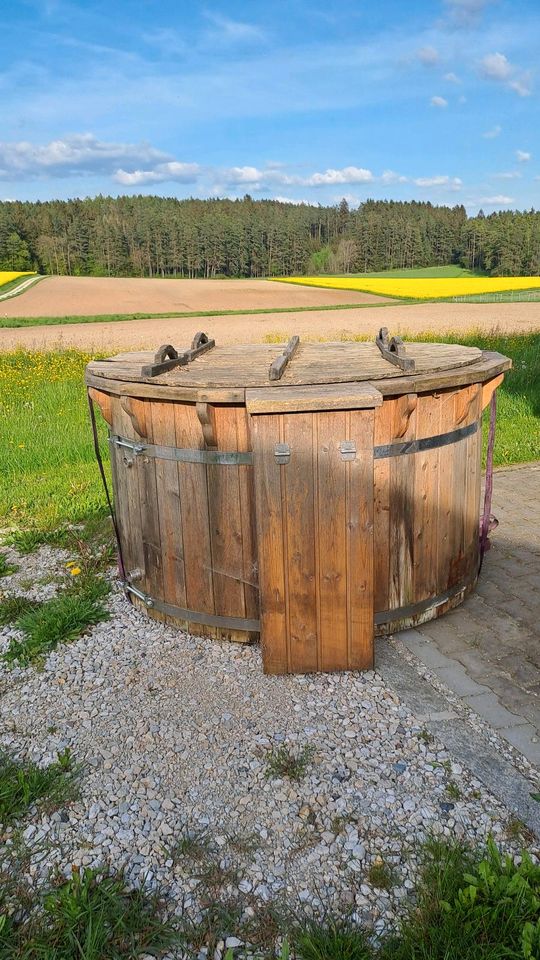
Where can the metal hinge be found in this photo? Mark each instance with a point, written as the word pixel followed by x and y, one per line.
pixel 348 450
pixel 135 448
pixel 282 452
pixel 138 593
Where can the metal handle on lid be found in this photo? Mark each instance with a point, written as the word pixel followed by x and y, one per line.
pixel 394 350
pixel 166 358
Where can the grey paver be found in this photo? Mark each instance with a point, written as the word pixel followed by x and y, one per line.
pixel 491 709
pixel 487 651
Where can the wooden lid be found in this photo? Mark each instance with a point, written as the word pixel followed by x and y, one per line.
pixel 248 365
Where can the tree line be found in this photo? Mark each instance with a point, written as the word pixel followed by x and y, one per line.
pixel 165 237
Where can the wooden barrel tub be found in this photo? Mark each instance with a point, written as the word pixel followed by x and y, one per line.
pixel 315 494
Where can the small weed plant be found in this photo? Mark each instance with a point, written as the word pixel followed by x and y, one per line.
pixel 60 620
pixel 6 568
pixel 284 763
pixel 91 916
pixel 13 607
pixel 23 784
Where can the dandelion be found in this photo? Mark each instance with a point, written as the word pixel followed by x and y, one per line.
pixel 75 571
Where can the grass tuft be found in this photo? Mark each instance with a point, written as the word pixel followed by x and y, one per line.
pixel 6 568
pixel 60 620
pixel 283 762
pixel 337 940
pixel 12 608
pixel 91 916
pixel 22 784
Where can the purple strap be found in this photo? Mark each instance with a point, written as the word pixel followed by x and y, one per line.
pixel 488 522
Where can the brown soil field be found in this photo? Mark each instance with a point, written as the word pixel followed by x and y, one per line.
pixel 91 296
pixel 399 318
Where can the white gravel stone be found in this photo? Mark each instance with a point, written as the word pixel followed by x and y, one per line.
pixel 174 733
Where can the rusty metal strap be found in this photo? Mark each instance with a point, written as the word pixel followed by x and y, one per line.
pixel 416 609
pixel 426 443
pixel 194 616
pixel 231 458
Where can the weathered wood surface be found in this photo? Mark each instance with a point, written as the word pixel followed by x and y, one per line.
pixel 315 541
pixel 331 396
pixel 228 385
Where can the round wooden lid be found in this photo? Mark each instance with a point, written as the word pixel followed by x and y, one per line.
pixel 280 364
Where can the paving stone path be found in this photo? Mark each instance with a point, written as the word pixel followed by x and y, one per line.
pixel 488 650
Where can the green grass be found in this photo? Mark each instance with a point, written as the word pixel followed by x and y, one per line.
pixel 23 784
pixel 449 270
pixel 15 322
pixel 283 762
pixel 60 620
pixel 91 916
pixel 6 568
pixel 12 608
pixel 11 287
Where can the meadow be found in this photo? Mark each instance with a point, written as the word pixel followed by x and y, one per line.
pixel 49 476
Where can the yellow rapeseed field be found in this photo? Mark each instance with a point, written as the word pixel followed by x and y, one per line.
pixel 6 276
pixel 428 288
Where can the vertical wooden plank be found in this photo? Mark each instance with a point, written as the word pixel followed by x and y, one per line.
pixel 169 506
pixel 332 574
pixel 384 419
pixel 425 465
pixel 401 580
pixel 450 494
pixel 247 514
pixel 148 500
pixel 195 514
pixel 226 521
pixel 360 546
pixel 298 516
pixel 474 475
pixel 127 501
pixel 265 433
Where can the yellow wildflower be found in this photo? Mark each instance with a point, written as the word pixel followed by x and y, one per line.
pixel 75 571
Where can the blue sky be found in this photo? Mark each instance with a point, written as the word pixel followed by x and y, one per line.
pixel 306 101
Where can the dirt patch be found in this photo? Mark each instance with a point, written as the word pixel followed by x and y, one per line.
pixel 79 296
pixel 400 319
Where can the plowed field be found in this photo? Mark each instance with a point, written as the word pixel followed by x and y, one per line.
pixel 414 318
pixel 77 296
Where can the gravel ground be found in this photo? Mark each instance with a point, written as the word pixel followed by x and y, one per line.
pixel 175 733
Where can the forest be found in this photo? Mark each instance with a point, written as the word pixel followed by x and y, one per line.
pixel 156 236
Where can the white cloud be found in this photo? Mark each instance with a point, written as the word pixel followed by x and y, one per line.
pixel 429 56
pixel 507 175
pixel 465 13
pixel 494 132
pixel 161 173
pixel 232 31
pixel 496 66
pixel 451 77
pixel 500 200
pixel 80 153
pixel 390 176
pixel 244 175
pixel 523 156
pixel 454 183
pixel 346 175
pixel 438 102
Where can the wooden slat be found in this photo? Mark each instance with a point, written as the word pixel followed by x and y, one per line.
pixel 426 465
pixel 149 510
pixel 226 521
pixel 127 498
pixel 332 477
pixel 170 507
pixel 384 419
pixel 266 432
pixel 247 513
pixel 360 542
pixel 321 397
pixel 402 495
pixel 195 515
pixel 298 510
pixel 450 495
pixel 472 494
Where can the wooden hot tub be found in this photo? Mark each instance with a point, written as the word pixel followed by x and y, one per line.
pixel 313 493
